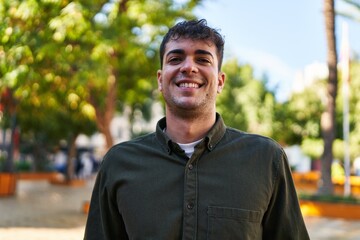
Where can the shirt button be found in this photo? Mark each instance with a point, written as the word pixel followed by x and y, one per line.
pixel 210 146
pixel 190 206
pixel 190 167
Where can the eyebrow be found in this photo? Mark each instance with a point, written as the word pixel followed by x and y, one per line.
pixel 181 51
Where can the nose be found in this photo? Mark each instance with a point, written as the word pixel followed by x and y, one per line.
pixel 189 66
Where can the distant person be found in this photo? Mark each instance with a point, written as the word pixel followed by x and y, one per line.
pixel 60 161
pixel 194 178
pixel 86 162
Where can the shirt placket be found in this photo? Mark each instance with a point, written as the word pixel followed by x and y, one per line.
pixel 191 196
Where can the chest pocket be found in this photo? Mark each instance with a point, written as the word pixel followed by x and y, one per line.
pixel 233 224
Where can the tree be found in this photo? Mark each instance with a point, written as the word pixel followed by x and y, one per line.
pixel 355 109
pixel 328 116
pixel 245 102
pixel 119 49
pixel 75 63
pixel 354 119
pixel 40 72
pixel 354 5
pixel 301 113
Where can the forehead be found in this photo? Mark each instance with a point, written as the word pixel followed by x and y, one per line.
pixel 190 45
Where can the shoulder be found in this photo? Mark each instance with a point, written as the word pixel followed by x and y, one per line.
pixel 127 149
pixel 257 152
pixel 250 139
pixel 137 142
pixel 263 150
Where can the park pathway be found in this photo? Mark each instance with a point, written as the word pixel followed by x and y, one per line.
pixel 42 211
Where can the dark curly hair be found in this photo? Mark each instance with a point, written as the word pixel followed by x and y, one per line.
pixel 196 30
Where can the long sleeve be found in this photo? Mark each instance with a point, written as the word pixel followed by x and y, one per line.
pixel 235 184
pixel 283 219
pixel 104 220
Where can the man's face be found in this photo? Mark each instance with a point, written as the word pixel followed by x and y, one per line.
pixel 190 79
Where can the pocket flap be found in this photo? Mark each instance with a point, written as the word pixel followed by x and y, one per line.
pixel 234 213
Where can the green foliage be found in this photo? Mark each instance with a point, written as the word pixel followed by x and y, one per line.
pixel 301 114
pixel 355 8
pixel 313 147
pixel 59 57
pixel 2 162
pixel 355 107
pixel 22 166
pixel 306 107
pixel 245 103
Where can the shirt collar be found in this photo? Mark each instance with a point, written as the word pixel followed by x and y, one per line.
pixel 211 139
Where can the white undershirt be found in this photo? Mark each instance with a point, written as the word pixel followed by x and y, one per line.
pixel 189 147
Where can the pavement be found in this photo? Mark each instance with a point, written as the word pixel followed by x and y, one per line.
pixel 43 211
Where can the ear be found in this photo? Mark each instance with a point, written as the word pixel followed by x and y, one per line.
pixel 159 80
pixel 221 81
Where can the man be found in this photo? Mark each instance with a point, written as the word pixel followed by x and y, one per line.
pixel 194 178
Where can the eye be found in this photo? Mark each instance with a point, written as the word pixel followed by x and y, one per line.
pixel 204 60
pixel 174 60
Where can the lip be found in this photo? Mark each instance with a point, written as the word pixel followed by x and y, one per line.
pixel 189 84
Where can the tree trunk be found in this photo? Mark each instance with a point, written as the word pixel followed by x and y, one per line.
pixel 8 100
pixel 9 163
pixel 105 115
pixel 328 116
pixel 71 166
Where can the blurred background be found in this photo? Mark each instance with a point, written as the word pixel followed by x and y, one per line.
pixel 77 77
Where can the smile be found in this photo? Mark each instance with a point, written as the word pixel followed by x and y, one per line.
pixel 189 85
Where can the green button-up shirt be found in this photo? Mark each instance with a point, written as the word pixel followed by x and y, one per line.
pixel 235 186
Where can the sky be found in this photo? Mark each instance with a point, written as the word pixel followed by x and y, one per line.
pixel 278 38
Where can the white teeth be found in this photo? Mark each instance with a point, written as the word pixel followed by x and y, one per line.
pixel 189 85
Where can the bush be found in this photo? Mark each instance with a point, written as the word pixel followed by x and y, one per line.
pixel 330 198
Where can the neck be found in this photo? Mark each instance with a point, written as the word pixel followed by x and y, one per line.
pixel 187 130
